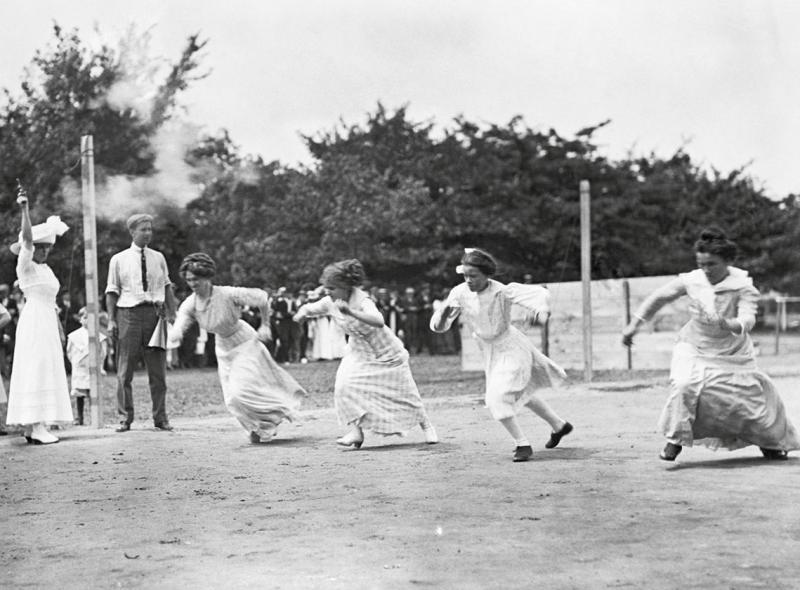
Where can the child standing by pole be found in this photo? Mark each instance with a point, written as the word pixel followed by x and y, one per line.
pixel 514 367
pixel 78 355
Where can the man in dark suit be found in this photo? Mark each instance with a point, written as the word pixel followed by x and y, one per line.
pixel 282 312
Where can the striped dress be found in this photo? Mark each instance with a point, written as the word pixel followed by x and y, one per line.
pixel 374 387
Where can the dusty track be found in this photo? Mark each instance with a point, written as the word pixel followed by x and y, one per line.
pixel 200 507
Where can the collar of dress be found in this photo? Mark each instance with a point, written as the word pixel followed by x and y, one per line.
pixel 736 279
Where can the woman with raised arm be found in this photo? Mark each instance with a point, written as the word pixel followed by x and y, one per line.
pixel 374 388
pixel 514 367
pixel 258 393
pixel 38 392
pixel 718 396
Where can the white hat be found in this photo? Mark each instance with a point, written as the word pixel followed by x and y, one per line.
pixel 44 233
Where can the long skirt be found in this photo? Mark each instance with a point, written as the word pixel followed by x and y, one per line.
pixel 257 392
pixel 380 396
pixel 38 390
pixel 724 402
pixel 515 370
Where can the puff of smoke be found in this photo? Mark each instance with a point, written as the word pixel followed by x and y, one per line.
pixel 174 182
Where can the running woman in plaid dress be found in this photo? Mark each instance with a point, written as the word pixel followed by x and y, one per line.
pixel 374 388
pixel 515 369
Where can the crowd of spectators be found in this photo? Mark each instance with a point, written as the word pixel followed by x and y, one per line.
pixel 406 311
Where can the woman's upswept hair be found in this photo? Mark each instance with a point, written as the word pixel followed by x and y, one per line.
pixel 199 264
pixel 713 240
pixel 481 260
pixel 349 273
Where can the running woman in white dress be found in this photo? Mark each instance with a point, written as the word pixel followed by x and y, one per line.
pixel 374 388
pixel 514 368
pixel 38 392
pixel 718 395
pixel 257 392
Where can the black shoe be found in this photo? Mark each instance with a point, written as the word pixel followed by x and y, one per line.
pixel 670 452
pixel 556 437
pixel 164 426
pixel 255 438
pixel 124 427
pixel 774 454
pixel 522 454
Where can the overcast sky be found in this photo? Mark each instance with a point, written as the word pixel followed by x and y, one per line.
pixel 721 77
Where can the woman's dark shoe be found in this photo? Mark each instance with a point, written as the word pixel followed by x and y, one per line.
pixel 670 452
pixel 556 437
pixel 522 454
pixel 255 438
pixel 774 454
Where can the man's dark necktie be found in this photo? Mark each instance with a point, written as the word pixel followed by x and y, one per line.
pixel 144 272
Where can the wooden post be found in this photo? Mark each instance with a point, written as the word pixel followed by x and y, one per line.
pixel 777 325
pixel 90 262
pixel 586 277
pixel 626 294
pixel 546 335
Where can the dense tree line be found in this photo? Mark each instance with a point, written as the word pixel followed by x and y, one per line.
pixel 403 196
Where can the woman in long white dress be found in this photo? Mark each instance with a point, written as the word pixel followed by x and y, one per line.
pixel 38 392
pixel 5 319
pixel 514 367
pixel 374 388
pixel 257 392
pixel 718 395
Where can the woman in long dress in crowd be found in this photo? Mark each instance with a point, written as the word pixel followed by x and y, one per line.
pixel 38 392
pixel 5 319
pixel 374 388
pixel 514 367
pixel 258 393
pixel 718 396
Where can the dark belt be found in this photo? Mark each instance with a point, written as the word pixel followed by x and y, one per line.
pixel 143 304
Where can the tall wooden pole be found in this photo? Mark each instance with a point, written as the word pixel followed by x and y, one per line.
pixel 626 295
pixel 90 262
pixel 586 278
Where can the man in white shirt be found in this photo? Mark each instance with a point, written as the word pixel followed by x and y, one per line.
pixel 138 293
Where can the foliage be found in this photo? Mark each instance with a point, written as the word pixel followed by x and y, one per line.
pixel 73 90
pixel 403 196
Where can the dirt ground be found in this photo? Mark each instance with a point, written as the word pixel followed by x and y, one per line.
pixel 201 507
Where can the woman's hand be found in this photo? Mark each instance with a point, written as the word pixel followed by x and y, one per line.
pixel 264 333
pixel 538 317
pixel 343 307
pixel 628 332
pixel 730 325
pixel 22 196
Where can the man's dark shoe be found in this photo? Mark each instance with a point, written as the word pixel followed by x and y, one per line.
pixel 124 427
pixel 670 452
pixel 522 454
pixel 164 426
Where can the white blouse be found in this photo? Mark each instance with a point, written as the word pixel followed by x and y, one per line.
pixel 489 311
